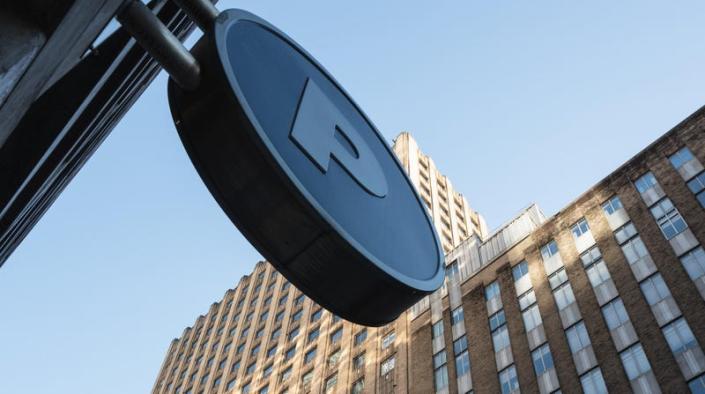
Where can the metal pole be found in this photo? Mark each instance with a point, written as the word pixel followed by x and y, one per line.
pixel 161 44
pixel 202 12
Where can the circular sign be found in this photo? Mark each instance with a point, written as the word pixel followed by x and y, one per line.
pixel 303 173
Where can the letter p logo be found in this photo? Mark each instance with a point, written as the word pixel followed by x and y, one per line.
pixel 321 131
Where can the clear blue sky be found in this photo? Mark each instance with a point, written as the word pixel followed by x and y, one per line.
pixel 516 102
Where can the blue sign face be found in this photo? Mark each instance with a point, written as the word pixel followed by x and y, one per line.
pixel 370 224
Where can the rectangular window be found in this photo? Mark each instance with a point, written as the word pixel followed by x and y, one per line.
pixel 635 362
pixel 531 317
pixel 231 384
pixel 310 355
pixel 500 338
pixel 267 370
pixel 615 314
pixel 492 291
pixel 697 185
pixel 279 316
pixel 360 336
pixel 315 316
pixel 387 365
pixel 264 390
pixel 645 182
pixel 331 382
pixel 282 300
pixel 293 333
pixel 255 350
pixel 564 296
pixel 299 300
pixel 276 333
pixel 245 388
pixel 497 320
pixel 697 385
pixel 462 363
pixel 456 316
pixel 508 380
pixel 438 329
pixel 307 377
pixel 272 351
pixel 527 299
pixel 668 218
pixel 612 205
pixel 681 157
pixel 519 270
pixel 313 334
pixel 290 353
pixel 558 278
pixel 593 383
pixel 694 263
pixel 655 289
pixel 626 232
pixel 297 315
pixel 336 335
pixel 549 250
pixel 359 361
pixel 679 336
pixel 590 256
pixel 578 338
pixel 580 228
pixel 334 357
pixel 251 368
pixel 452 271
pixel 598 274
pixel 358 386
pixel 543 361
pixel 285 375
pixel 439 359
pixel 388 339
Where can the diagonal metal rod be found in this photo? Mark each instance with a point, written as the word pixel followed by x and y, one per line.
pixel 202 12
pixel 161 44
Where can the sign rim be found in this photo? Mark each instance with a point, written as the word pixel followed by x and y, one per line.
pixel 226 19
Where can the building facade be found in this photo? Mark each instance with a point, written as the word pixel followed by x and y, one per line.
pixel 453 218
pixel 606 295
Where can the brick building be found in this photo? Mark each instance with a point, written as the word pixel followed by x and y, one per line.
pixel 606 294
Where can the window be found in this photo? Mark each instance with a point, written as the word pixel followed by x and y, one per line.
pixel 655 289
pixel 531 317
pixel 272 351
pixel 267 370
pixel 334 357
pixel 264 390
pixel 668 218
pixel 359 361
pixel 519 270
pixel 290 353
pixel 231 384
pixel 580 228
pixel 549 250
pixel 440 370
pixel 276 333
pixel 527 299
pixel 299 300
pixel 210 362
pixel 331 382
pixel 593 383
pixel 235 366
pixel 543 361
pixel 681 157
pixel 285 375
pixel 694 263
pixel 336 335
pixel 336 319
pixel 679 336
pixel 558 278
pixel 360 336
pixel 285 285
pixel 456 316
pixel 248 318
pixel 438 329
pixel 500 338
pixel 452 271
pixel 697 185
pixel 625 232
pixel 296 316
pixel 267 301
pixel 313 334
pixel 310 355
pixel 497 320
pixel 578 338
pixel 358 386
pixel 590 256
pixel 253 301
pixel 615 314
pixel 245 388
pixel 564 296
pixel 508 380
pixel 279 316
pixel 307 377
pixel 282 299
pixel 387 365
pixel 315 316
pixel 598 274
pixel 255 350
pixel 635 362
pixel 251 368
pixel 293 333
pixel 259 333
pixel 221 364
pixel 697 386
pixel 492 291
pixel 634 250
pixel 462 358
pixel 612 205
pixel 388 339
pixel 646 182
